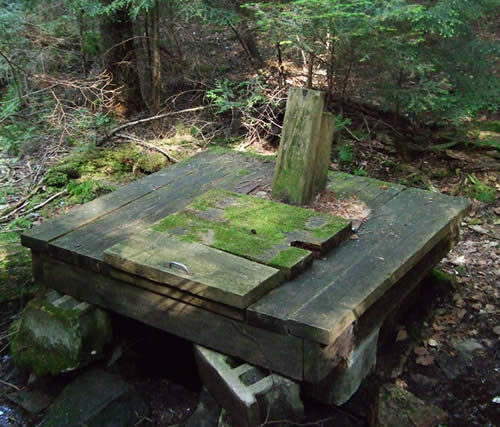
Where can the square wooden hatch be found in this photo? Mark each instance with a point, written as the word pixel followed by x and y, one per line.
pixel 228 247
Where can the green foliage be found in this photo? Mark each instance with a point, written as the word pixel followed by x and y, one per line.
pixel 480 191
pixel 360 172
pixel 228 95
pixel 13 135
pixel 421 60
pixel 345 153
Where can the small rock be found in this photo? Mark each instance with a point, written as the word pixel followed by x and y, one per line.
pixel 402 335
pixel 432 342
pixel 496 330
pixel 423 380
pixel 453 366
pixel 496 399
pixel 467 347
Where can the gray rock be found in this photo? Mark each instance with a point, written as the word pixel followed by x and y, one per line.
pixel 58 334
pixel 467 347
pixel 423 380
pixel 206 413
pixel 400 408
pixel 453 366
pixel 32 401
pixel 128 410
pixel 85 398
pixel 345 380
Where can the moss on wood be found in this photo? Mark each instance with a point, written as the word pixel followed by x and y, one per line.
pixel 254 228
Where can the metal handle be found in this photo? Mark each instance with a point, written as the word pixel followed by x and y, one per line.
pixel 173 264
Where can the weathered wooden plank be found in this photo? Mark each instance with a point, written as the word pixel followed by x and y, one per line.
pixel 322 154
pixel 300 170
pixel 176 294
pixel 371 191
pixel 38 237
pixel 87 244
pixel 211 273
pixel 412 223
pixel 349 279
pixel 321 360
pixel 261 230
pixel 257 346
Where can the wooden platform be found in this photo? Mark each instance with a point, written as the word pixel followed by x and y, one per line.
pixel 291 329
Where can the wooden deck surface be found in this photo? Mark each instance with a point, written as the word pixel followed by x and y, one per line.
pixel 407 229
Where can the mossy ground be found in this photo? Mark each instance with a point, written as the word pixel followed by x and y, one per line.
pixel 250 227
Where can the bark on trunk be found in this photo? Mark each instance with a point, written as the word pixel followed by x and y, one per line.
pixel 118 36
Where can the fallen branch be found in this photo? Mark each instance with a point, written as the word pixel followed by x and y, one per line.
pixel 145 144
pixel 35 208
pixel 41 205
pixel 15 387
pixel 480 230
pixel 148 119
pixel 18 205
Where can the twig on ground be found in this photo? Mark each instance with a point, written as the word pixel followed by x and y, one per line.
pixel 6 218
pixel 18 205
pixel 15 387
pixel 148 119
pixel 151 147
pixel 41 205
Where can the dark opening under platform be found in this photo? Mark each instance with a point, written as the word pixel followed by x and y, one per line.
pixel 289 327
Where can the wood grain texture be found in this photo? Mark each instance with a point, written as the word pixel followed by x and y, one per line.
pixel 258 229
pixel 321 303
pixel 337 289
pixel 411 224
pixel 86 245
pixel 320 360
pixel 280 353
pixel 176 294
pixel 40 236
pixel 211 273
pixel 298 159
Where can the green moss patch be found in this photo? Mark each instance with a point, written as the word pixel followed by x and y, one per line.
pixel 254 228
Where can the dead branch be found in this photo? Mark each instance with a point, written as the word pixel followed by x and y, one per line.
pixel 18 205
pixel 6 218
pixel 148 119
pixel 145 144
pixel 41 205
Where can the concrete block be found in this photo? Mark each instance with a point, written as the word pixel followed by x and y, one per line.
pixel 57 333
pixel 343 382
pixel 249 394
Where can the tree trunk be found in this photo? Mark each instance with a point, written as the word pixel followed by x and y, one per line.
pixel 118 36
pixel 81 31
pixel 310 71
pixel 156 60
pixel 246 32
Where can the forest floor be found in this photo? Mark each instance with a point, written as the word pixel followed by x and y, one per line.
pixel 448 355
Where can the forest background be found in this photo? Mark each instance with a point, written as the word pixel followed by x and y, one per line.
pixel 95 93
